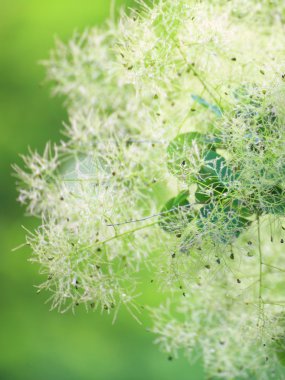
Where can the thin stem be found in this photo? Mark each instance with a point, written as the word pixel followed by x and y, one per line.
pixel 120 235
pixel 127 232
pixel 154 215
pixel 275 303
pixel 195 72
pixel 274 267
pixel 260 265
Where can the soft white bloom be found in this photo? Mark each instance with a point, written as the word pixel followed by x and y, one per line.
pixel 173 166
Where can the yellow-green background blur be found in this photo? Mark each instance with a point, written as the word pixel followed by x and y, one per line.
pixel 35 343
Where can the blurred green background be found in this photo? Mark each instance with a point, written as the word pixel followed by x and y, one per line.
pixel 36 343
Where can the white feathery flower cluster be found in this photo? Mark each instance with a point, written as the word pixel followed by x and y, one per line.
pixel 38 181
pixel 172 163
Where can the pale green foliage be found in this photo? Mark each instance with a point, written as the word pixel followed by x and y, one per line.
pixel 132 188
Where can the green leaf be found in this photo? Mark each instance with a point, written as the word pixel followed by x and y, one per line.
pixel 207 192
pixel 215 173
pixel 274 201
pixel 212 107
pixel 229 224
pixel 240 208
pixel 202 195
pixel 183 147
pixel 176 213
